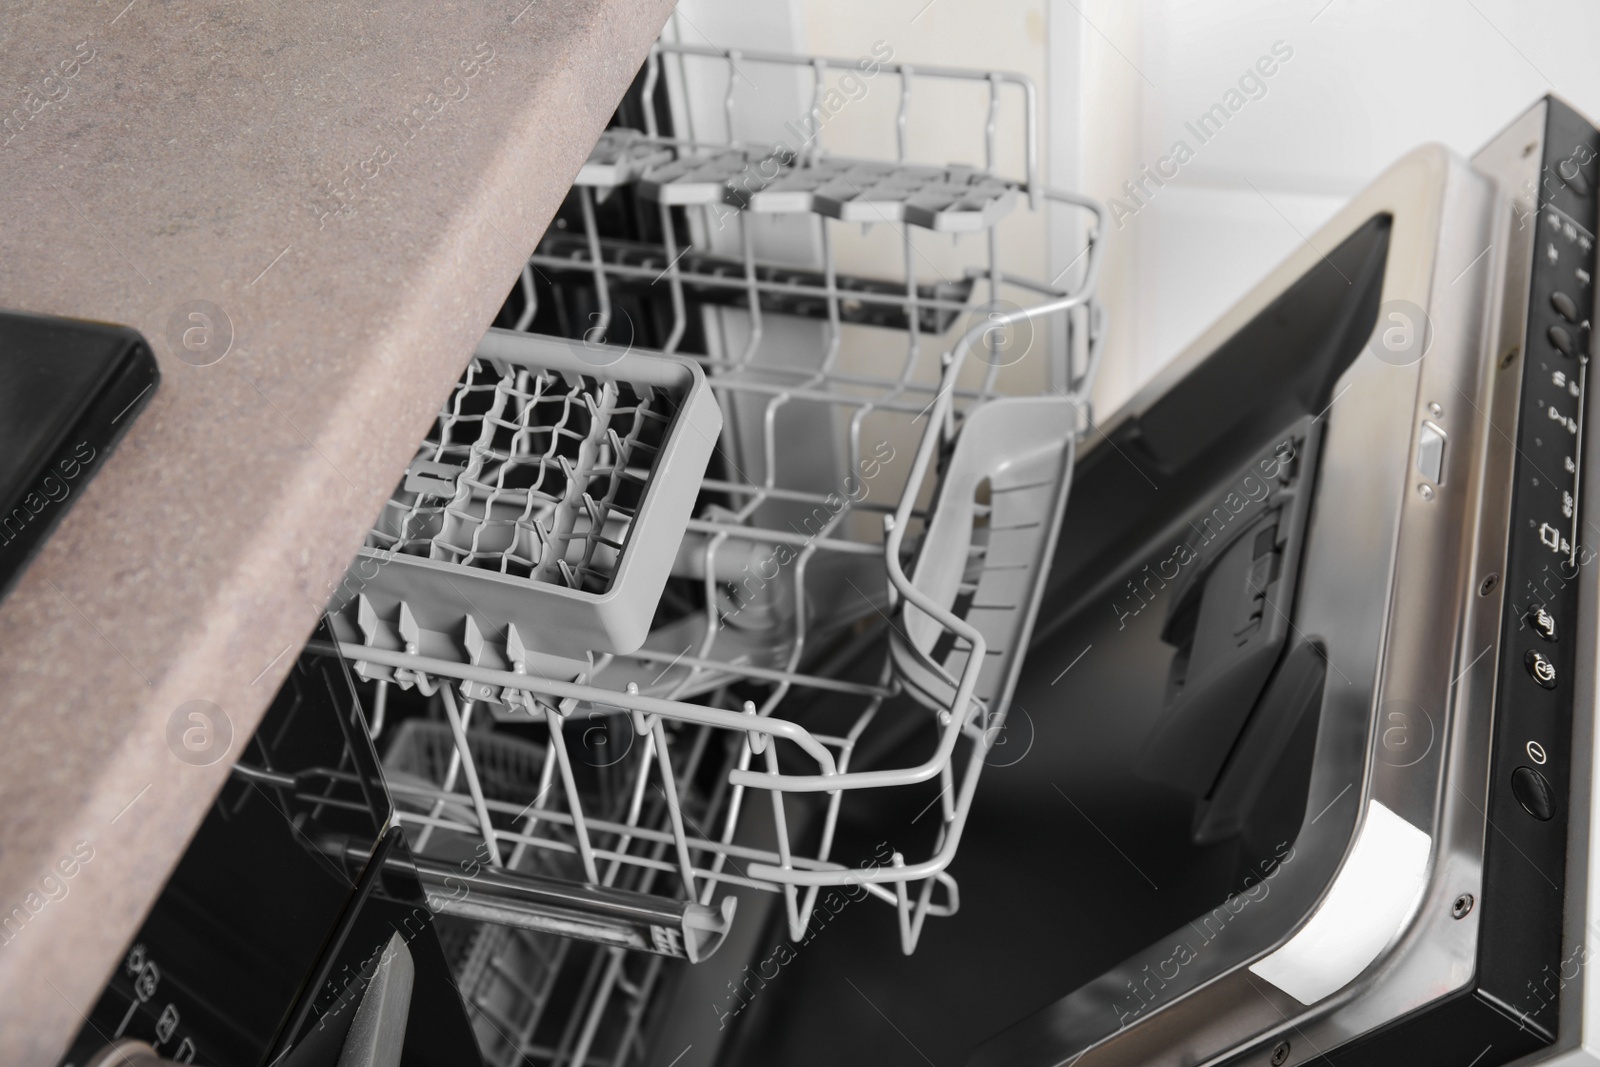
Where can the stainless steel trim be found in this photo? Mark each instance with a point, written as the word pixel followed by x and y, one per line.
pixel 1438 951
pixel 377 1034
pixel 1413 659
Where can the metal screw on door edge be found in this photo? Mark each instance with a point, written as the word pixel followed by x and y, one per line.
pixel 1462 907
pixel 1488 585
pixel 1280 1054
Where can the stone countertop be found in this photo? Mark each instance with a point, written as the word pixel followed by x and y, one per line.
pixel 355 187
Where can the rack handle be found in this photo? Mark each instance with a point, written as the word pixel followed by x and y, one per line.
pixel 1018 447
pixel 683 929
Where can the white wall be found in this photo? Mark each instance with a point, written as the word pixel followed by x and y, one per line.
pixel 1368 80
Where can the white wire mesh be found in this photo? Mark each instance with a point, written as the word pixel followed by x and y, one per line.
pixel 513 980
pixel 529 474
pixel 757 675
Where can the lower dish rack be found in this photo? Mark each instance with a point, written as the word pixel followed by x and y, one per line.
pixel 533 995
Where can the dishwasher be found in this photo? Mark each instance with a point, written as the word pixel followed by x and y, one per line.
pixel 648 725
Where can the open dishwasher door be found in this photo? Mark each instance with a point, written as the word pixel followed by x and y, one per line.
pixel 1366 716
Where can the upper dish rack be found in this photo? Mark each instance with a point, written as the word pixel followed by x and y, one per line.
pixel 860 488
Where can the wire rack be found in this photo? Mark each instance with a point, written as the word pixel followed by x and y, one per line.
pixel 544 504
pixel 900 494
pixel 537 469
pixel 534 996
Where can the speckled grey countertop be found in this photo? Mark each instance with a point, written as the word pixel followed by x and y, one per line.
pixel 355 187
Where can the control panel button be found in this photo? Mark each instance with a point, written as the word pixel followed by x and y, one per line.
pixel 1534 792
pixel 1562 340
pixel 1564 306
pixel 1539 665
pixel 1541 622
pixel 1573 176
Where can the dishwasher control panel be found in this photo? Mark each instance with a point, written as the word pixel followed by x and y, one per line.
pixel 1528 805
